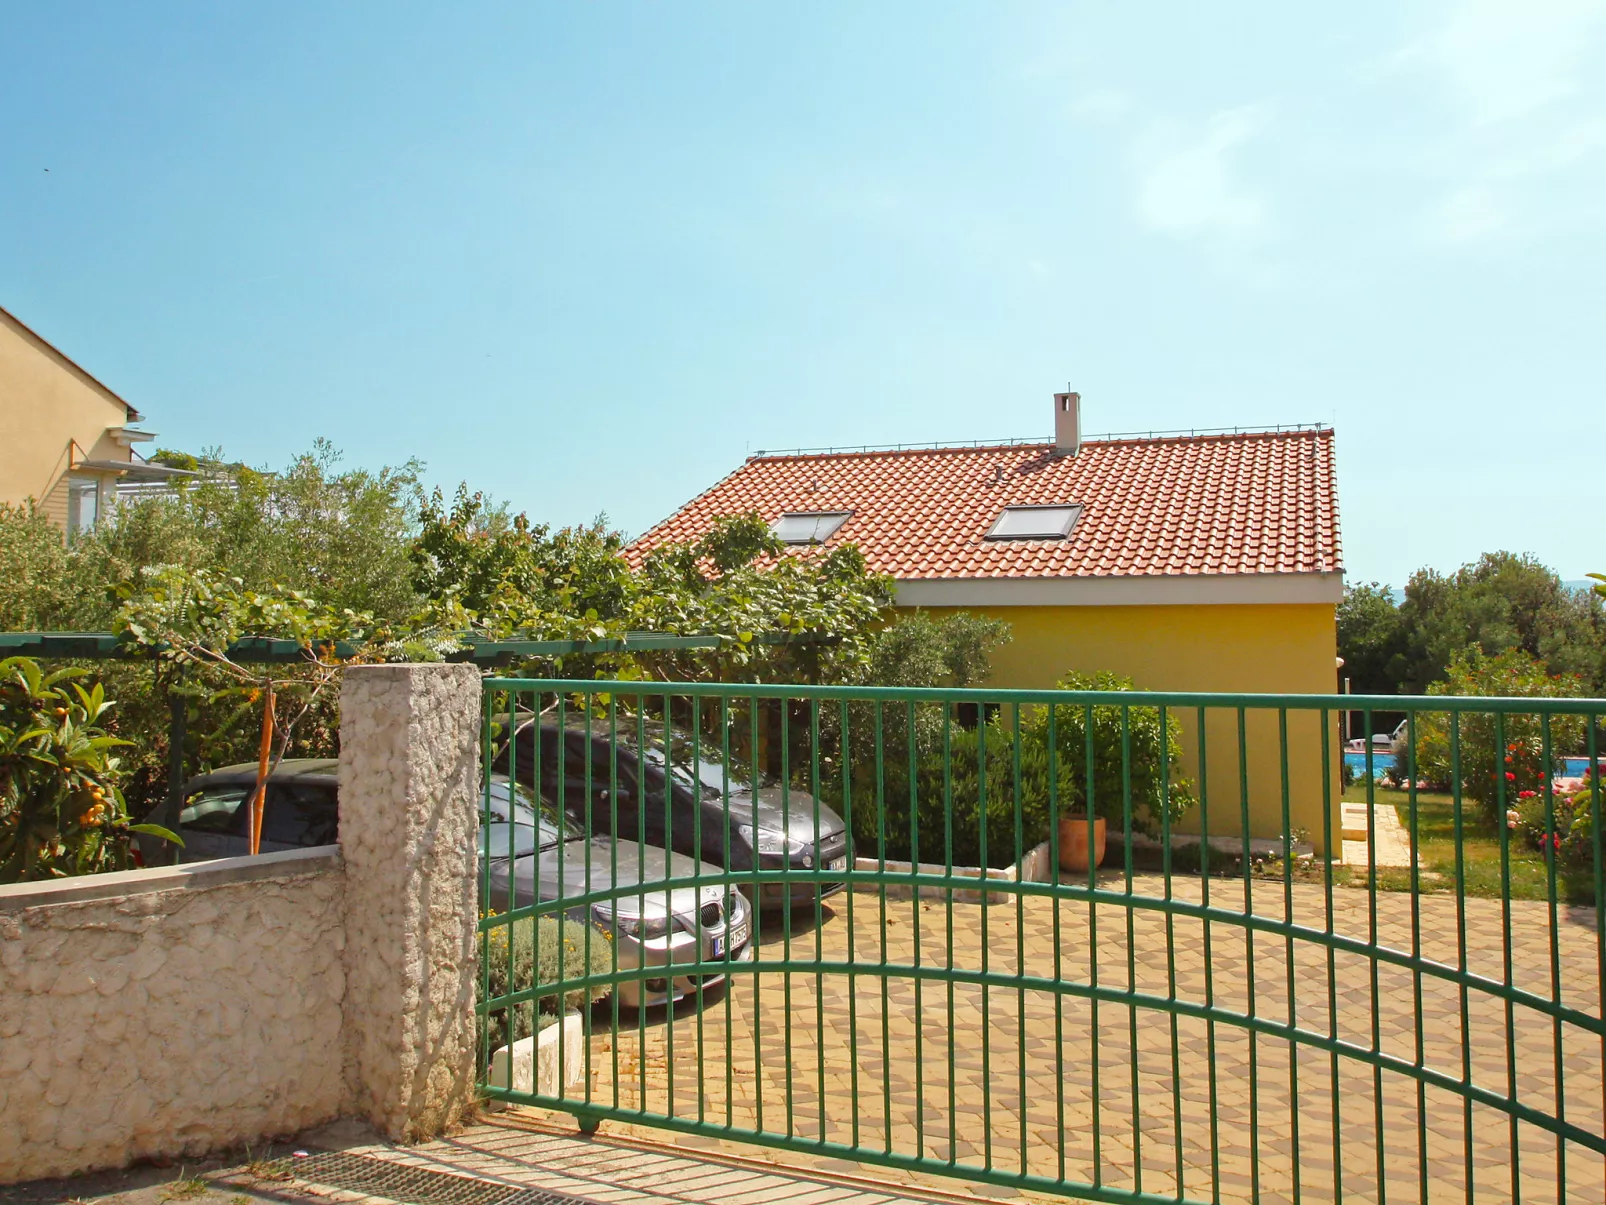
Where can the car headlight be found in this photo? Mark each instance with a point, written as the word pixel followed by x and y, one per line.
pixel 641 928
pixel 775 844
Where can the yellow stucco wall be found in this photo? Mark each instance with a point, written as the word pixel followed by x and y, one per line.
pixel 46 403
pixel 1263 648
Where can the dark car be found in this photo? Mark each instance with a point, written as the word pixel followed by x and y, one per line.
pixel 215 822
pixel 768 826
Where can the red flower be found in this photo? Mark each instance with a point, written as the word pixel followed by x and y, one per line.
pixel 1526 794
pixel 1510 777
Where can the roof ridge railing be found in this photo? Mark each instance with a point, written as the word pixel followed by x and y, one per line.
pixel 1107 436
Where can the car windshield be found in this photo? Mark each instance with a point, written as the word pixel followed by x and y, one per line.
pixel 214 809
pixel 506 801
pixel 705 770
pixel 709 776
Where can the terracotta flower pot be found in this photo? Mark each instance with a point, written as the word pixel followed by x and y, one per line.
pixel 1073 842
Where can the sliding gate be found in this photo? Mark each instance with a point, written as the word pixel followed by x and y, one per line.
pixel 1309 968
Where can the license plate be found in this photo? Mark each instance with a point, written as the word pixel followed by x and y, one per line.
pixel 716 947
pixel 837 863
pixel 737 936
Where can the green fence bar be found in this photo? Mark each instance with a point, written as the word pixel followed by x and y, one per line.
pixel 860 923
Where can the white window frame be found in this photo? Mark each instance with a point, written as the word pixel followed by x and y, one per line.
pixel 1059 533
pixel 826 524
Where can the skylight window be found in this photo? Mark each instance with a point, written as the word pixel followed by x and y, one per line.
pixel 1036 522
pixel 809 527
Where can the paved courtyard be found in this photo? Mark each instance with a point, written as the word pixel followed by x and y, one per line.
pixel 1126 1097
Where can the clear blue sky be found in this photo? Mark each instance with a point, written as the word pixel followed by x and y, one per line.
pixel 589 255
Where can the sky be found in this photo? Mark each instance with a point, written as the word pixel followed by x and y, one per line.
pixel 588 256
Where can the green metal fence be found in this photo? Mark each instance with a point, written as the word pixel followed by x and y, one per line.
pixel 1308 968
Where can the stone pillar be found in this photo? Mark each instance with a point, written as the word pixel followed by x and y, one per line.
pixel 409 827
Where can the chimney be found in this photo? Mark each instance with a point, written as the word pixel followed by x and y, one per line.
pixel 1067 424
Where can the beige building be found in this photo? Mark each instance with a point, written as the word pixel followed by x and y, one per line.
pixel 66 440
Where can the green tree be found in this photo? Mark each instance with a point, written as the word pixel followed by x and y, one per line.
pixel 342 535
pixel 339 536
pixel 921 649
pixel 33 564
pixel 1502 601
pixel 504 568
pixel 1372 639
pixel 518 580
pixel 738 582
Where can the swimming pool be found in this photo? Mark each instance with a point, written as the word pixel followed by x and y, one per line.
pixel 1382 763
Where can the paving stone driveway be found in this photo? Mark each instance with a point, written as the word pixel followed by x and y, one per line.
pixel 1132 1099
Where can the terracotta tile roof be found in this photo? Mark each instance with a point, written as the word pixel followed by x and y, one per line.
pixel 1250 503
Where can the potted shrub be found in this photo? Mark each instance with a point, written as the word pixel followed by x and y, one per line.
pixel 1159 789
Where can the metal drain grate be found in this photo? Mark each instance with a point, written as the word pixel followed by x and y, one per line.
pixel 412 1185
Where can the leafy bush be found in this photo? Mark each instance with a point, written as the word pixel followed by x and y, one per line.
pixel 1149 755
pixel 1491 771
pixel 1568 832
pixel 549 951
pixel 32 568
pixel 945 795
pixel 61 807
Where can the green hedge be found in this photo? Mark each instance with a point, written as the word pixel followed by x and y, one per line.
pixel 943 796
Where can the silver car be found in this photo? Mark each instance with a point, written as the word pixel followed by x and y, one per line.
pixel 652 927
pixel 530 858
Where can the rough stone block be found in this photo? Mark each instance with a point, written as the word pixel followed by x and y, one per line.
pixel 533 1064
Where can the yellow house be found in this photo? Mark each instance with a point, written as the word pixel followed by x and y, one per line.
pixel 1190 562
pixel 66 440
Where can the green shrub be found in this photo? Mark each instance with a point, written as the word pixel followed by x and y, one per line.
pixel 945 796
pixel 1490 772
pixel 61 804
pixel 1567 833
pixel 547 951
pixel 1126 738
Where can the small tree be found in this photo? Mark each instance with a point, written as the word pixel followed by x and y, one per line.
pixel 1497 760
pixel 190 620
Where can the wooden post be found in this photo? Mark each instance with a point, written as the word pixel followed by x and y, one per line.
pixel 263 753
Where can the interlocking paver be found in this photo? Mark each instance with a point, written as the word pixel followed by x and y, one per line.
pixel 897 1062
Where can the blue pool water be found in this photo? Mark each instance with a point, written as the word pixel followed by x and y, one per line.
pixel 1382 763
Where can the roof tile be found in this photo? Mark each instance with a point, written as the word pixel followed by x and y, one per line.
pixel 1256 502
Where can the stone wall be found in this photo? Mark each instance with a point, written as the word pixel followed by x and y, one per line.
pixel 174 1011
pixel 169 1012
